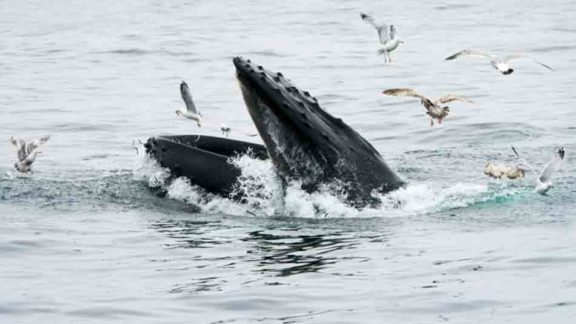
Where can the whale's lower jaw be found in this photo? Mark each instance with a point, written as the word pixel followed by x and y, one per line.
pixel 306 143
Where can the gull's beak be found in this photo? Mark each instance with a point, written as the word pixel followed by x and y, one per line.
pixel 402 42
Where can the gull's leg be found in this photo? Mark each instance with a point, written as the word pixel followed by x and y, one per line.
pixel 389 57
pixel 431 122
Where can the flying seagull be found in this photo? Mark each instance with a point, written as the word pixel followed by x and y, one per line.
pixel 386 35
pixel 500 63
pixel 27 153
pixel 543 182
pixel 433 107
pixel 190 112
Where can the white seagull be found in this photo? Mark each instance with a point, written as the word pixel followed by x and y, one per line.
pixel 500 63
pixel 190 112
pixel 433 107
pixel 543 182
pixel 386 35
pixel 27 153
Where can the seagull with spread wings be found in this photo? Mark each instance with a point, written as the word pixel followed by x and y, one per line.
pixel 386 35
pixel 500 63
pixel 434 108
pixel 191 112
pixel 27 152
pixel 543 182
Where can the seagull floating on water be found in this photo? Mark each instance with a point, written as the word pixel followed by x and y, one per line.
pixel 386 35
pixel 499 171
pixel 433 107
pixel 190 112
pixel 27 153
pixel 500 63
pixel 225 129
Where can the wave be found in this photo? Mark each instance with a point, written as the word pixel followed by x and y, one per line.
pixel 264 195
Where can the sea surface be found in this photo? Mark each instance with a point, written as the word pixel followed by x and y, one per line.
pixel 84 239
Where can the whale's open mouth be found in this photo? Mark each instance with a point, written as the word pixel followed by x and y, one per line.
pixel 304 141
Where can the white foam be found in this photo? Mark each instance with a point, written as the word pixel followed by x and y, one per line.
pixel 264 196
pixel 148 169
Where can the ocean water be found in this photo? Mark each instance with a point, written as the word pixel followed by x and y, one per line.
pixel 85 240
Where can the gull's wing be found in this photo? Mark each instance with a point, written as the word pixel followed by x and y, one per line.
pixel 521 55
pixel 187 97
pixel 552 166
pixel 404 92
pixel 522 160
pixel 30 158
pixel 544 65
pixel 469 52
pixel 381 28
pixel 20 148
pixel 34 145
pixel 392 32
pixel 451 97
pixel 510 57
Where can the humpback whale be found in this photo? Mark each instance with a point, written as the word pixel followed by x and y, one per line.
pixel 305 143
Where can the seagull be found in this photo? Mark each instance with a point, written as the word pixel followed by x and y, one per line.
pixel 433 107
pixel 225 129
pixel 498 171
pixel 190 112
pixel 27 153
pixel 543 183
pixel 386 35
pixel 500 63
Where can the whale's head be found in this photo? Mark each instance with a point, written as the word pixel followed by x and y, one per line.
pixel 304 141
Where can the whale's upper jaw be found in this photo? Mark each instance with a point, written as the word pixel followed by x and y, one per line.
pixel 304 141
pixel 282 113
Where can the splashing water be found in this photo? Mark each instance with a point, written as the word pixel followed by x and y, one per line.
pixel 263 195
